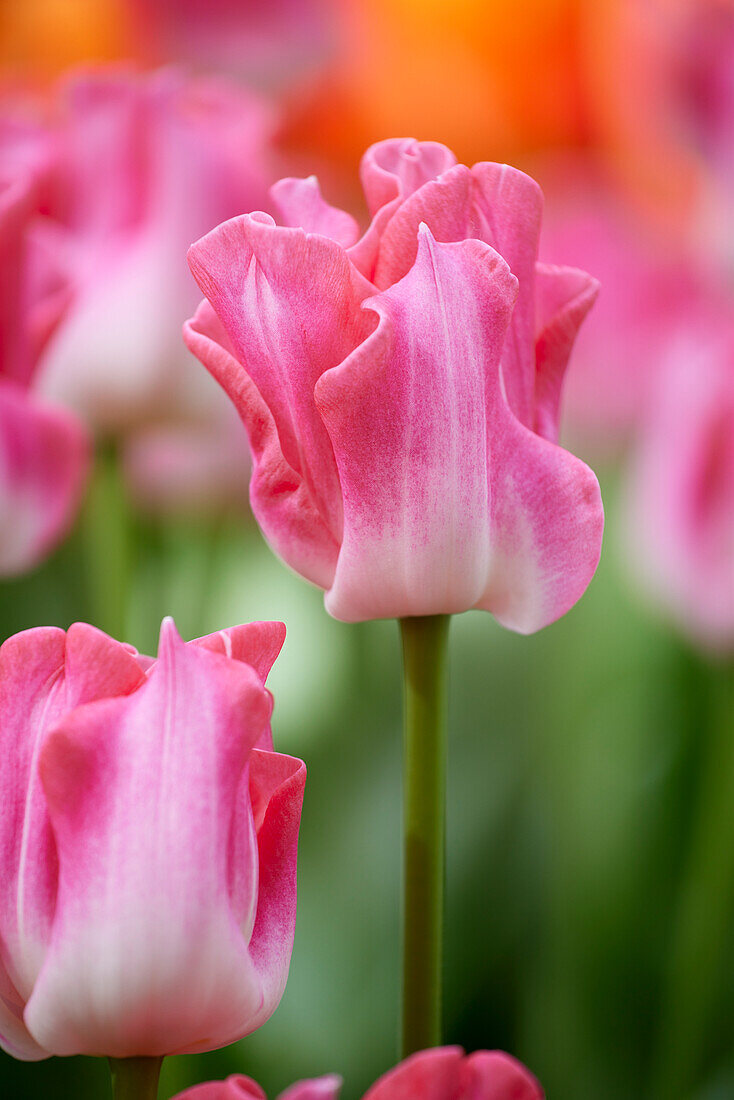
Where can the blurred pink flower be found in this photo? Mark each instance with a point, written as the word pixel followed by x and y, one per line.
pixel 147 163
pixel 270 42
pixel 148 842
pixel 681 529
pixel 441 1074
pixel 648 283
pixel 401 392
pixel 43 450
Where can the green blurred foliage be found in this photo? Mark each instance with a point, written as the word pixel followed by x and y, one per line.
pixel 579 759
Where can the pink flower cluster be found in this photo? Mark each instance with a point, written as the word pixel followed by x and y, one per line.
pixel 401 389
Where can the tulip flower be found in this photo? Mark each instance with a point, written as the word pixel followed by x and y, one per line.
pixel 401 391
pixel 148 843
pixel 681 494
pixel 175 157
pixel 43 450
pixel 441 1074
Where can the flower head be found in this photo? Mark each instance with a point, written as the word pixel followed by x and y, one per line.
pixel 148 842
pixel 401 390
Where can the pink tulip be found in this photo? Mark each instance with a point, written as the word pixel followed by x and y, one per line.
pixel 441 1074
pixel 147 164
pixel 649 281
pixel 681 530
pixel 148 843
pixel 43 450
pixel 401 391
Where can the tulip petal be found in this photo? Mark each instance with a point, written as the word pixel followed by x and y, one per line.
pixel 235 1087
pixel 319 1088
pixel 495 204
pixel 397 167
pixel 141 792
pixel 257 645
pixel 493 1075
pixel 427 1075
pixel 300 203
pixel 547 524
pixel 43 673
pixel 44 455
pixel 280 497
pixel 276 784
pixel 564 295
pixel 289 303
pixel 406 414
pixel 15 209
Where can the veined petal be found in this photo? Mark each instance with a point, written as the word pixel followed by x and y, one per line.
pixel 300 203
pixel 427 1075
pixel 44 456
pixel 547 523
pixel 141 793
pixel 280 497
pixel 493 1075
pixel 407 417
pixel 399 166
pixel 564 295
pixel 43 672
pixel 509 208
pixel 256 644
pixel 289 303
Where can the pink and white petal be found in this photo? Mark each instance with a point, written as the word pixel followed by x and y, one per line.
pixel 407 413
pixel 299 202
pixel 546 526
pixel 509 208
pixel 280 497
pixel 141 792
pixel 564 295
pixel 493 1075
pixel 15 1039
pixel 427 1075
pixel 44 458
pixel 43 673
pixel 258 645
pixel 289 303
pixel 276 785
pixel 399 166
pixel 236 1087
pixel 319 1088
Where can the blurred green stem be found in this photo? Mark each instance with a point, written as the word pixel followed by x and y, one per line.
pixel 135 1078
pixel 106 532
pixel 700 946
pixel 425 642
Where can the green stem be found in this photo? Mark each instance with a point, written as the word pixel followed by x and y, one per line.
pixel 135 1078
pixel 106 529
pixel 700 946
pixel 425 642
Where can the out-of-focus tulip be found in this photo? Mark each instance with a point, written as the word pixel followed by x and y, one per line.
pixel 649 282
pixel 43 450
pixel 148 843
pixel 148 163
pixel 270 42
pixel 441 1074
pixel 401 391
pixel 681 530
